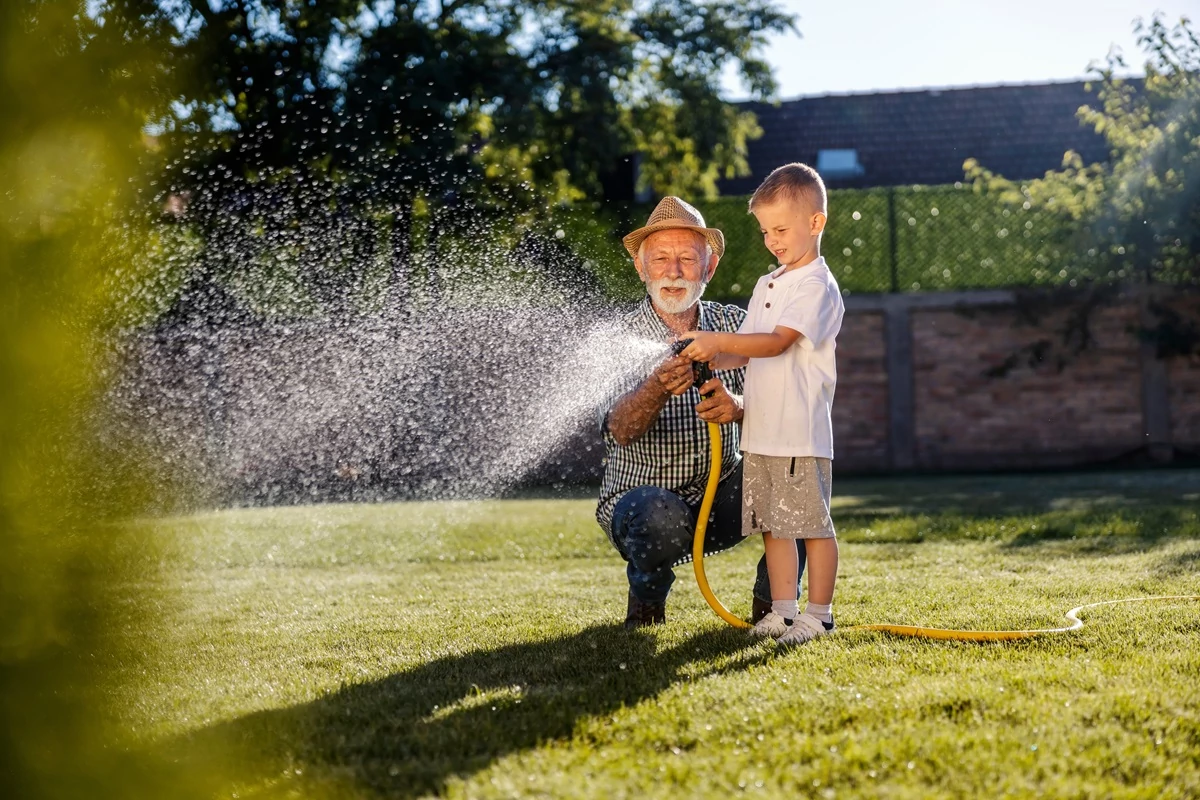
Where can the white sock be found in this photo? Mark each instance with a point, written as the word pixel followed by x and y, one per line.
pixel 823 613
pixel 788 609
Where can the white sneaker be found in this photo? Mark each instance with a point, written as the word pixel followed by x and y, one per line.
pixel 805 628
pixel 771 625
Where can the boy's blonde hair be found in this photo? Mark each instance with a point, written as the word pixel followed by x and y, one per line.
pixel 797 182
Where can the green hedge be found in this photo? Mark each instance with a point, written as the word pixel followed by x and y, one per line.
pixel 931 237
pixel 944 237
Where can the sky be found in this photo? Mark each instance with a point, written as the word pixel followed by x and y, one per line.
pixel 877 45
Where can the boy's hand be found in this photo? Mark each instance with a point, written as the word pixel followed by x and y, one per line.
pixel 704 346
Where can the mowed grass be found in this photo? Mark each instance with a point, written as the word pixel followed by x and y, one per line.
pixel 475 650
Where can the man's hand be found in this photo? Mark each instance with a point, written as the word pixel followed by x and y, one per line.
pixel 673 376
pixel 721 407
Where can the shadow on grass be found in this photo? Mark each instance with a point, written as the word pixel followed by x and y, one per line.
pixel 1077 533
pixel 1097 533
pixel 1067 514
pixel 1013 494
pixel 406 734
pixel 1185 563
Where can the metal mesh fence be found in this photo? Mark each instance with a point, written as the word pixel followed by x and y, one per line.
pixel 902 239
pixel 920 238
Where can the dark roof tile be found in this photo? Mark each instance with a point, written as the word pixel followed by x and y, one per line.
pixel 923 136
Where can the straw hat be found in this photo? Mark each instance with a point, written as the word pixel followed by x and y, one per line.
pixel 671 212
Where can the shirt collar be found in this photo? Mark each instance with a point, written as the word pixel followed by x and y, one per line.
pixel 780 275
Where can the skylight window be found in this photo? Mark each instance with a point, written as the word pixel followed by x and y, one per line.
pixel 834 164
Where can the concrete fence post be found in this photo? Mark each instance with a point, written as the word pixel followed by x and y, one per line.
pixel 897 326
pixel 1156 403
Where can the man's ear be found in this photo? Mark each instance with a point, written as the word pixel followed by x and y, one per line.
pixel 637 264
pixel 712 267
pixel 818 223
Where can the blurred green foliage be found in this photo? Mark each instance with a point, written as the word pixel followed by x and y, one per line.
pixel 259 117
pixel 911 238
pixel 71 150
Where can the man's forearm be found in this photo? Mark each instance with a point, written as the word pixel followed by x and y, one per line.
pixel 634 413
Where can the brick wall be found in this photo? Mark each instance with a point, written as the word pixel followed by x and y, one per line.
pixel 975 407
pixel 1183 381
pixel 934 381
pixel 860 408
pixel 975 381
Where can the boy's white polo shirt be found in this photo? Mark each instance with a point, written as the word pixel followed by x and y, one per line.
pixel 789 398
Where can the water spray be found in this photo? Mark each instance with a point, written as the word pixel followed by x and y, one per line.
pixel 702 374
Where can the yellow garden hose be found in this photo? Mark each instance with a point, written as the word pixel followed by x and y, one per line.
pixel 1003 636
pixel 710 492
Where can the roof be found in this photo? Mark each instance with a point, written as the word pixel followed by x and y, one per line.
pixel 923 136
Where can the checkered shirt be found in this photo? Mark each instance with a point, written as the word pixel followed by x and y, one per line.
pixel 674 453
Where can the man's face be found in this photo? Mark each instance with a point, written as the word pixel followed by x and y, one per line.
pixel 790 230
pixel 675 268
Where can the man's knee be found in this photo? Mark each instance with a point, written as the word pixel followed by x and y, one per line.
pixel 655 526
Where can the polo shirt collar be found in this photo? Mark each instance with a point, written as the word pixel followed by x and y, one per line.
pixel 788 277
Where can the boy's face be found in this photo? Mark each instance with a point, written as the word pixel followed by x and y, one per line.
pixel 791 230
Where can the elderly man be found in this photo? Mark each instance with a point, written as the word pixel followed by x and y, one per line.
pixel 656 434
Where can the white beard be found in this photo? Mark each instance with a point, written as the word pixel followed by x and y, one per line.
pixel 695 290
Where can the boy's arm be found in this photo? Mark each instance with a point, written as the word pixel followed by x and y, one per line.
pixel 707 345
pixel 727 361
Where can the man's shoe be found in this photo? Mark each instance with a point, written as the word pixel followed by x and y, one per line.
pixel 758 610
pixel 641 615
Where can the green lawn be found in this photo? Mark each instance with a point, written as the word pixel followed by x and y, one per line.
pixel 475 650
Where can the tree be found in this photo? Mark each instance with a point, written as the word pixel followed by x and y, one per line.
pixel 1139 214
pixel 542 92
pixel 360 114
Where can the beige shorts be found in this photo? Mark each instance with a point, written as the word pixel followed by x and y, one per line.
pixel 786 496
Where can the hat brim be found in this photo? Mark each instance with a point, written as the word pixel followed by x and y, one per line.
pixel 713 236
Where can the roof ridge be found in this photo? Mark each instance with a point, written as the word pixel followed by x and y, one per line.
pixel 970 87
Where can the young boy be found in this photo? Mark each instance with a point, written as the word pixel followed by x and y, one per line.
pixel 787 340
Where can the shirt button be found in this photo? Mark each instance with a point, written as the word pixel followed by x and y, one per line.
pixel 768 305
pixel 770 286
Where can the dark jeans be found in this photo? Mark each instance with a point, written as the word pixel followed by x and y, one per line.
pixel 654 530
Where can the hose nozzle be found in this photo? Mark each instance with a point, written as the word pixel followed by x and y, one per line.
pixel 701 373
